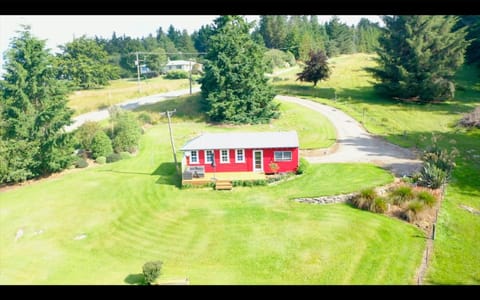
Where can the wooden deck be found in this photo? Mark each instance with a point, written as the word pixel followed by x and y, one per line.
pixel 224 176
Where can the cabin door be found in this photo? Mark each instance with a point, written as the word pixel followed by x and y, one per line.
pixel 257 161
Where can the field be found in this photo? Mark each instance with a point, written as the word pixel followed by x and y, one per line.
pixel 456 257
pixel 132 211
pixel 120 90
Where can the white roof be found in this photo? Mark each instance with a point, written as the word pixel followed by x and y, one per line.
pixel 243 140
pixel 180 62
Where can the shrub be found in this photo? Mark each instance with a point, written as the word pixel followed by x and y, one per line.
pixel 145 118
pixel 275 58
pixel 177 74
pixel 151 271
pixel 81 163
pixel 426 198
pixel 101 160
pixel 369 194
pixel 471 119
pixel 113 157
pixel 101 145
pixel 402 194
pixel 378 205
pixel 432 176
pixel 302 166
pixel 86 133
pixel 127 132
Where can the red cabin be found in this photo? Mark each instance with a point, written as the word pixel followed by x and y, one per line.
pixel 262 152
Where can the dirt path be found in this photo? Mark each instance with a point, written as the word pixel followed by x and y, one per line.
pixel 355 144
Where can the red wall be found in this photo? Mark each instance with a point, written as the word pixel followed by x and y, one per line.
pixel 247 166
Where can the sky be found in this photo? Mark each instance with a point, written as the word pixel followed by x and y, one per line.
pixel 58 29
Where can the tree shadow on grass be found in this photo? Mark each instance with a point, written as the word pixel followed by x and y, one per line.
pixel 168 174
pixel 135 279
pixel 307 91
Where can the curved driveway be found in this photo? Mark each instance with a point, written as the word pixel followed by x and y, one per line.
pixel 357 145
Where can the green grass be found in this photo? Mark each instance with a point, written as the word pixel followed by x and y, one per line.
pixel 456 257
pixel 314 130
pixel 121 90
pixel 132 211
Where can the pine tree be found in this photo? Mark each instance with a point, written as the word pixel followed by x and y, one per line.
pixel 34 111
pixel 316 68
pixel 419 56
pixel 234 86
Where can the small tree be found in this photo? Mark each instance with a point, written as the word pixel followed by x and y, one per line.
pixel 126 133
pixel 101 145
pixel 151 271
pixel 85 134
pixel 316 69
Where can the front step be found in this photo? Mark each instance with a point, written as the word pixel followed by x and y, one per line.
pixel 223 185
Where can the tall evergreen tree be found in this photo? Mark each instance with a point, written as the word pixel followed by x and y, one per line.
pixel 419 56
pixel 367 34
pixel 201 38
pixel 316 68
pixel 234 86
pixel 340 38
pixel 34 111
pixel 273 29
pixel 85 63
pixel 473 28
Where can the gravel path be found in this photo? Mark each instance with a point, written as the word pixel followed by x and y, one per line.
pixel 130 104
pixel 355 144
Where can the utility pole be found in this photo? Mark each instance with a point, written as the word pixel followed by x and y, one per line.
pixel 171 139
pixel 137 62
pixel 190 76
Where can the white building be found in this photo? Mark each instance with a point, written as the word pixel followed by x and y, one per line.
pixel 184 65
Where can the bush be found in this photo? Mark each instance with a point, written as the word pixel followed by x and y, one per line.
pixel 302 166
pixel 369 194
pixel 81 163
pixel 177 74
pixel 86 133
pixel 113 157
pixel 145 118
pixel 101 145
pixel 101 160
pixel 151 271
pixel 431 176
pixel 402 194
pixel 378 205
pixel 471 119
pixel 426 198
pixel 275 58
pixel 126 132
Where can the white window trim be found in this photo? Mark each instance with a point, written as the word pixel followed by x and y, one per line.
pixel 206 156
pixel 221 156
pixel 198 158
pixel 280 160
pixel 236 156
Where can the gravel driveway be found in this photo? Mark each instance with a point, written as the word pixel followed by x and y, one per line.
pixel 355 144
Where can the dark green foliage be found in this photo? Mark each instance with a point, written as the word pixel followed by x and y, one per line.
pixel 101 145
pixel 151 271
pixel 177 74
pixel 438 164
pixel 249 183
pixel 85 63
pixel 34 110
pixel 125 155
pixel 201 38
pixel 126 133
pixel 85 134
pixel 114 157
pixel 278 59
pixel 145 118
pixel 340 38
pixel 316 68
pixel 234 87
pixel 418 57
pixel 426 198
pixel 101 160
pixel 302 166
pixel 81 163
pixel 367 35
pixel 473 35
pixel 274 30
pixel 402 194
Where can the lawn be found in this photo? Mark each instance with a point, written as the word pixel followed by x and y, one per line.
pixel 456 258
pixel 120 90
pixel 132 211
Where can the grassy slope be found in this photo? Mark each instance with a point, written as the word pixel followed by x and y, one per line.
pixel 121 90
pixel 314 130
pixel 247 235
pixel 456 257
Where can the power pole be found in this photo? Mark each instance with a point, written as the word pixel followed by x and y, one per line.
pixel 171 139
pixel 190 76
pixel 137 62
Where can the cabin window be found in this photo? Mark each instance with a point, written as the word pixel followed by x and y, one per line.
pixel 240 156
pixel 283 155
pixel 194 157
pixel 208 156
pixel 224 156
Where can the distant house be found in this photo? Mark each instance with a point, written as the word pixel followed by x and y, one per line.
pixel 184 65
pixel 241 152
